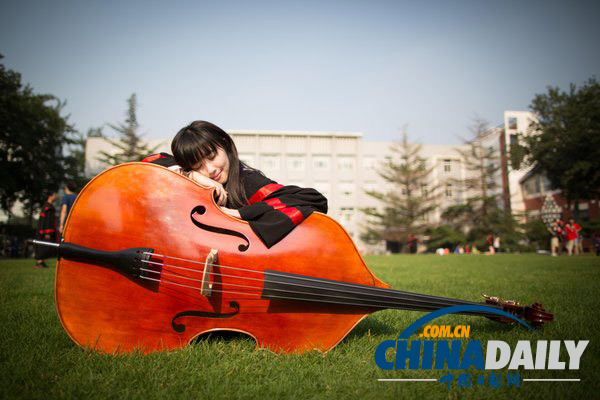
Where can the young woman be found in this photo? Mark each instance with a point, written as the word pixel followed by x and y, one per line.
pixel 206 154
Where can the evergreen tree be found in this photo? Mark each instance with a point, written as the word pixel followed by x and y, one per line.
pixel 482 165
pixel 129 141
pixel 481 214
pixel 408 202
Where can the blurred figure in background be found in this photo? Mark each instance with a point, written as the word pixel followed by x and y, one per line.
pixel 572 229
pixel 555 236
pixel 490 244
pixel 497 243
pixel 46 230
pixel 412 243
pixel 67 202
pixel 579 239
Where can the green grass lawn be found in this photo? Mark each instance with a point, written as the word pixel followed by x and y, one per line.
pixel 38 360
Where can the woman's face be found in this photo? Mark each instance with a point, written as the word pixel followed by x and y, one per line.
pixel 215 167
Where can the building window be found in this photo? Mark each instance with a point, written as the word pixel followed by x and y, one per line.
pixel 448 190
pixel 584 211
pixel 347 215
pixel 296 163
pixel 347 189
pixel 532 186
pixel 345 163
pixel 447 165
pixel 269 162
pixel 321 163
pixel 369 163
pixel 547 186
pixel 512 123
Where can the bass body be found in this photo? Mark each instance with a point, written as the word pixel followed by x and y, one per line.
pixel 174 294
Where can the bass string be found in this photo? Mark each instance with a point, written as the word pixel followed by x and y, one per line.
pixel 249 293
pixel 195 287
pixel 329 301
pixel 388 294
pixel 285 291
pixel 341 299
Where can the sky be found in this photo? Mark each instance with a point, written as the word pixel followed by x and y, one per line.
pixel 374 67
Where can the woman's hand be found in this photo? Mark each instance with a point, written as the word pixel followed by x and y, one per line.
pixel 231 212
pixel 220 193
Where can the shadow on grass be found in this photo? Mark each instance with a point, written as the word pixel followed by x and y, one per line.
pixel 371 326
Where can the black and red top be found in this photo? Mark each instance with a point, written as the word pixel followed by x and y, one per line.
pixel 273 210
pixel 46 227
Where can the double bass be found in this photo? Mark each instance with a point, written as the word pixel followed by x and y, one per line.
pixel 149 262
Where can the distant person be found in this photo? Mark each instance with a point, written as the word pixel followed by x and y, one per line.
pixel 579 243
pixel 597 243
pixel 578 247
pixel 572 235
pixel 412 244
pixel 555 236
pixel 497 243
pixel 65 206
pixel 490 244
pixel 46 230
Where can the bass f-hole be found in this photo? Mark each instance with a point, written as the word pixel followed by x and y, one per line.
pixel 200 210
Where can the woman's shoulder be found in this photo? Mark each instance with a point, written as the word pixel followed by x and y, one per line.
pixel 164 159
pixel 254 180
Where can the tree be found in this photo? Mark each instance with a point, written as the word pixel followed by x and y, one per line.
pixel 482 164
pixel 129 141
pixel 409 201
pixel 32 135
pixel 481 214
pixel 565 146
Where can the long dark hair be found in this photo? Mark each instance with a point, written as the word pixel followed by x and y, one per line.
pixel 199 140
